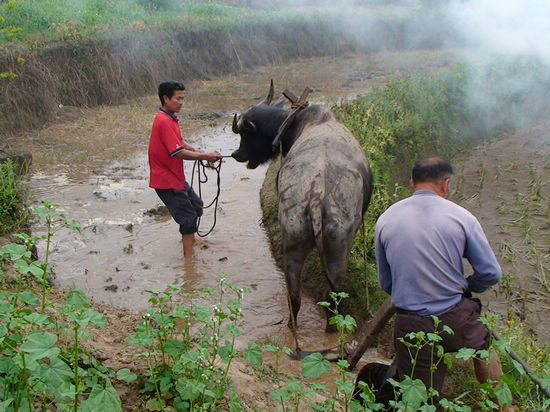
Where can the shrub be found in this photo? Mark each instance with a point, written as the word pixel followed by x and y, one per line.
pixel 13 197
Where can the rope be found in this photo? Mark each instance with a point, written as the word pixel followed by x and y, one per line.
pixel 200 166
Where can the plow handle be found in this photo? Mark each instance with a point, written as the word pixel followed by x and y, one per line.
pixel 367 334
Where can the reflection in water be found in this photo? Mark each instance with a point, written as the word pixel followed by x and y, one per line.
pixel 123 251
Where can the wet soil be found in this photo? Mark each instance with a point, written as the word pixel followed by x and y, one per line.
pixel 92 163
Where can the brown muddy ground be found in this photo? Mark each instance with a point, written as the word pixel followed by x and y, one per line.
pixel 91 158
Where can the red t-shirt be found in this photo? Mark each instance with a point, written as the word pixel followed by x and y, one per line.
pixel 166 170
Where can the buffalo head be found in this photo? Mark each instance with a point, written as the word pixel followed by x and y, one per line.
pixel 258 127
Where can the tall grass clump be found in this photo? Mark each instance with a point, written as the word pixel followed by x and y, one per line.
pixel 13 197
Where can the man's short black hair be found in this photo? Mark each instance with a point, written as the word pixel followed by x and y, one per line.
pixel 431 169
pixel 168 88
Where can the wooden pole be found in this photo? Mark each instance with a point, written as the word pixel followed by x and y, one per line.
pixel 365 337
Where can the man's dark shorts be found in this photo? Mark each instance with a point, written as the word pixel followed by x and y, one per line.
pixel 185 206
pixel 469 332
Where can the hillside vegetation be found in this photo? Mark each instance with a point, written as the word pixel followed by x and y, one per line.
pixel 113 50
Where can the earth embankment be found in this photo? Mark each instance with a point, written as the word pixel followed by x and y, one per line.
pixel 126 63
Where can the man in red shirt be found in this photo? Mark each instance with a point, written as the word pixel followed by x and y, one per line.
pixel 167 150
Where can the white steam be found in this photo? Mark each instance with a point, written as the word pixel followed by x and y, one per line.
pixel 509 27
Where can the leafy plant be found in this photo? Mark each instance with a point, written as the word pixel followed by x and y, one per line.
pixel 187 372
pixel 36 368
pixel 13 198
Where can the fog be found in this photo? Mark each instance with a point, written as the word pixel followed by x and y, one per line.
pixel 510 59
pixel 509 27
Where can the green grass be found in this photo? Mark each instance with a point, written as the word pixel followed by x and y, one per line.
pixel 13 198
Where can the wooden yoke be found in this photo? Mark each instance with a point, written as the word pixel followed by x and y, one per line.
pixel 296 106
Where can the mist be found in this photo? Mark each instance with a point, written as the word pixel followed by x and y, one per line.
pixel 506 27
pixel 510 57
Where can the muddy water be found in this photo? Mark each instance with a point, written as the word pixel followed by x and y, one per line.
pixel 122 251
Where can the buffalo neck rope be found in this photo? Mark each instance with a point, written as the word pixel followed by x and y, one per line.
pixel 202 177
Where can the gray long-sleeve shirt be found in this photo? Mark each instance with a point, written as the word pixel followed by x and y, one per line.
pixel 420 242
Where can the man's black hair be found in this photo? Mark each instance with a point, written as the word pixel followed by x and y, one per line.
pixel 168 88
pixel 431 169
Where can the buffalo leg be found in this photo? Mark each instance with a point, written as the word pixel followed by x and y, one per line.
pixel 294 261
pixel 336 266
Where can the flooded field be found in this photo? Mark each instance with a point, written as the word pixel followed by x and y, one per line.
pixel 128 244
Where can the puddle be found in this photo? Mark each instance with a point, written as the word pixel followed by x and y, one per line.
pixel 123 249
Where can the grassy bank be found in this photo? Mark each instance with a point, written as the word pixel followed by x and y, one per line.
pixel 74 61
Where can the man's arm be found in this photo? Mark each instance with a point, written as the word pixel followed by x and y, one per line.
pixel 187 154
pixel 487 271
pixel 384 272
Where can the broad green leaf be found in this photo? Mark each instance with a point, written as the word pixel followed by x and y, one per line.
pixel 281 395
pixel 83 319
pixel 413 393
pixel 189 357
pixel 227 351
pixel 6 308
pixel 313 366
pixel 40 345
pixel 503 394
pixel 72 224
pixel 174 347
pixel 37 319
pixel 154 404
pixel 517 366
pixel 33 268
pixel 4 404
pixel 66 391
pixel 57 376
pixel 465 353
pixel 190 389
pixel 433 337
pixel 271 348
pixel 95 318
pixel 104 399
pixel 253 354
pixel 126 375
pixel 77 298
pixel 29 298
pixel 233 330
pixel 15 251
pixel 345 386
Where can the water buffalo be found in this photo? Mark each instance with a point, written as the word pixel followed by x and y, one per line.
pixel 324 186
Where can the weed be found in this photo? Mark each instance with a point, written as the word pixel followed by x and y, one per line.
pixel 189 373
pixel 36 369
pixel 13 198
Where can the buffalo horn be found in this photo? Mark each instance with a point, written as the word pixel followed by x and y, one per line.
pixel 249 125
pixel 235 127
pixel 269 97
